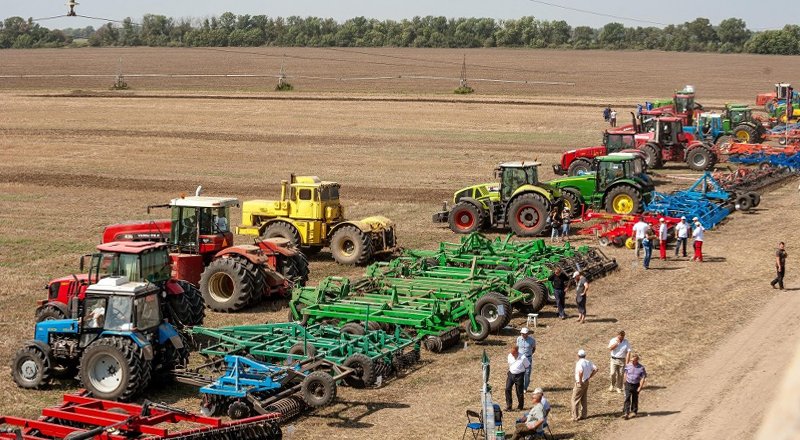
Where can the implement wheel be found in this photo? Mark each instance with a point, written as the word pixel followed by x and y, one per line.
pixel 363 371
pixel 482 330
pixel 228 285
pixel 465 218
pixel 527 215
pixel 624 200
pixel 495 308
pixel 535 291
pixel 318 389
pixel 351 246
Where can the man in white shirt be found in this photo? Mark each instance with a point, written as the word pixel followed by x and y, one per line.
pixel 584 370
pixel 697 235
pixel 620 349
pixel 663 236
pixel 517 364
pixel 681 235
pixel 639 232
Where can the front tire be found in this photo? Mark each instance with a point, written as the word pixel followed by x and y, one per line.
pixel 188 307
pixel 652 156
pixel 700 159
pixel 114 368
pixel 31 367
pixel 49 312
pixel 527 215
pixel 285 230
pixel 579 166
pixel 624 200
pixel 465 218
pixel 351 246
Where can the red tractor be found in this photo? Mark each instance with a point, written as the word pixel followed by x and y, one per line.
pixel 139 262
pixel 202 252
pixel 662 139
pixel 577 161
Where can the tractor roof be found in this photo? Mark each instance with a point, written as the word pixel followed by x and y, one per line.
pixel 522 164
pixel 119 286
pixel 311 181
pixel 617 157
pixel 670 119
pixel 710 115
pixel 205 202
pixel 130 247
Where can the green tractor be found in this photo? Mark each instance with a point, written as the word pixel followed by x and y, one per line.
pixel 739 119
pixel 618 184
pixel 519 201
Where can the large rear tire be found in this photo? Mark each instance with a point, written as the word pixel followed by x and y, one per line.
pixel 652 156
pixel 572 201
pixel 351 246
pixel 114 368
pixel 285 230
pixel 188 307
pixel 624 199
pixel 31 367
pixel 465 218
pixel 527 215
pixel 496 308
pixel 227 285
pixel 746 133
pixel 579 166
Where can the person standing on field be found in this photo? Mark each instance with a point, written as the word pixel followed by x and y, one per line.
pixel 613 118
pixel 559 281
pixel 581 291
pixel 584 370
pixel 663 236
pixel 697 235
pixel 780 266
pixel 635 378
pixel 620 350
pixel 607 113
pixel 527 346
pixel 516 377
pixel 682 236
pixel 647 244
pixel 640 229
pixel 566 216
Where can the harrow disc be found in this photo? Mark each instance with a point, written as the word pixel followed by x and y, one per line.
pixel 289 407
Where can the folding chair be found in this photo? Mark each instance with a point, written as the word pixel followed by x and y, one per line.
pixel 476 428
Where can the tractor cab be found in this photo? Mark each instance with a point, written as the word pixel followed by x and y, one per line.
pixel 115 304
pixel 311 198
pixel 513 175
pixel 199 224
pixel 618 166
pixel 618 141
pixel 708 125
pixel 684 104
pixel 783 91
pixel 139 261
pixel 668 130
pixel 737 114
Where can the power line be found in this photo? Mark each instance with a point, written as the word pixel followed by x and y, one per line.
pixel 49 18
pixel 601 14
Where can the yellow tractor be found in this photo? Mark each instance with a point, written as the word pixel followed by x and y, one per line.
pixel 310 215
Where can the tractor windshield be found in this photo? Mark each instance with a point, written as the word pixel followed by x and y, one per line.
pixel 118 314
pixel 636 167
pixel 148 312
pixel 514 177
pixel 106 264
pixel 609 172
pixel 329 193
pixel 684 103
pixel 619 142
pixel 155 266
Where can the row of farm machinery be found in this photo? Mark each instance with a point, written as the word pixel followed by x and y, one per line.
pixel 133 317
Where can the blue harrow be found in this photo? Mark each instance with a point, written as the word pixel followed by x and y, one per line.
pixel 706 199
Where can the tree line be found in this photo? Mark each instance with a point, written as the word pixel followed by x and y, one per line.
pixel 729 36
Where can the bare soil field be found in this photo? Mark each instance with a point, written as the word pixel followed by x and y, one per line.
pixel 71 164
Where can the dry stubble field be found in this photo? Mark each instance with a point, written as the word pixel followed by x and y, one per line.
pixel 71 163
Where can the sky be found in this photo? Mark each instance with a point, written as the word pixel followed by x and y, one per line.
pixel 668 12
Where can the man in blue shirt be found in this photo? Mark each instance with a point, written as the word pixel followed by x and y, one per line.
pixel 635 378
pixel 527 346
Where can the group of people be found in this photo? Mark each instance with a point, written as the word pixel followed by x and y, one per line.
pixel 559 220
pixel 560 281
pixel 626 374
pixel 644 238
pixel 610 115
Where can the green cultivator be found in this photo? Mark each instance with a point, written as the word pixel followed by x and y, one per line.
pixel 369 353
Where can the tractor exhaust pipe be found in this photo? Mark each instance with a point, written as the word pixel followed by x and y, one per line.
pixel 198 190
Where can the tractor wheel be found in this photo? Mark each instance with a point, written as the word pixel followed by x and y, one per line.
pixel 527 215
pixel 624 199
pixel 31 367
pixel 303 349
pixel 188 306
pixel 350 245
pixel 579 166
pixel 364 371
pixel 282 230
pixel 496 308
pixel 481 332
pixel 238 410
pixel 745 133
pixel 652 156
pixel 227 285
pixel 465 218
pixel 572 201
pixel 353 328
pixel 259 277
pixel 700 159
pixel 295 269
pixel 114 368
pixel 171 358
pixel 318 389
pixel 49 312
pixel 535 290
pixel 755 199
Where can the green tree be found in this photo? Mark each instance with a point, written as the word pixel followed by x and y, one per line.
pixel 732 34
pixel 612 36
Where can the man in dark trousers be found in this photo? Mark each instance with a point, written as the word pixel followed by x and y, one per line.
pixel 559 282
pixel 780 266
pixel 607 113
pixel 635 377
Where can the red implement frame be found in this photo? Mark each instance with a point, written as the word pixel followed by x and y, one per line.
pixel 616 228
pixel 118 421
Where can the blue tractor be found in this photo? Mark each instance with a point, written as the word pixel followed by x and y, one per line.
pixel 118 342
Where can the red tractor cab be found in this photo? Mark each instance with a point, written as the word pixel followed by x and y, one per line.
pixel 577 161
pixel 142 261
pixel 202 252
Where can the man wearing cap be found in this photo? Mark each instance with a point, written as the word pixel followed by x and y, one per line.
pixel 533 424
pixel 620 350
pixel 584 370
pixel 663 236
pixel 527 346
pixel 639 232
pixel 581 291
pixel 635 377
pixel 697 234
pixel 681 235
